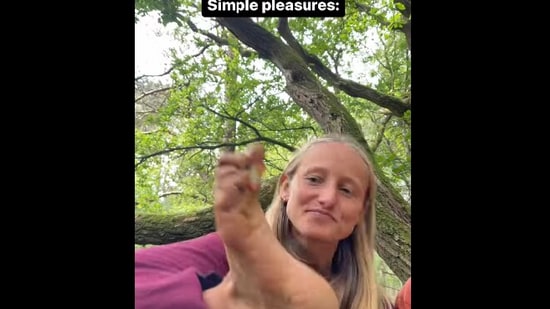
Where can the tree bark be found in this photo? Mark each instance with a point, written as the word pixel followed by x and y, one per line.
pixel 393 241
pixel 158 229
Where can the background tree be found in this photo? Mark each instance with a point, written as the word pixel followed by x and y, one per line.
pixel 279 81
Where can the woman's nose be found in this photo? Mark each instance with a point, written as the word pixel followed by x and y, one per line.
pixel 327 196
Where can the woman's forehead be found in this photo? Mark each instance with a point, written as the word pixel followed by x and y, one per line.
pixel 328 151
pixel 335 157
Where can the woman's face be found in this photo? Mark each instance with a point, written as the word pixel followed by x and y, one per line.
pixel 326 196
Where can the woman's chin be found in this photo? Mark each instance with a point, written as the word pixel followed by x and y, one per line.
pixel 317 233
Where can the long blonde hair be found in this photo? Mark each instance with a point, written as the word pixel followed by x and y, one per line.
pixel 354 273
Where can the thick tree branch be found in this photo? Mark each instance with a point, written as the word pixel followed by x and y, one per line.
pixel 302 86
pixel 393 241
pixel 354 89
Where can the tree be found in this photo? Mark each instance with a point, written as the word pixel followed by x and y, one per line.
pixel 279 81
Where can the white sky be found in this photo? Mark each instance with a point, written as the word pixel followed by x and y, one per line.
pixel 152 42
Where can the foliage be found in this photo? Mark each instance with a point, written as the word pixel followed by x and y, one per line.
pixel 223 96
pixel 387 278
pixel 217 90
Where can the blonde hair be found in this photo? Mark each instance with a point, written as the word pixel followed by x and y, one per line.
pixel 354 273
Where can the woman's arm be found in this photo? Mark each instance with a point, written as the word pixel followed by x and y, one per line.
pixel 167 276
pixel 262 273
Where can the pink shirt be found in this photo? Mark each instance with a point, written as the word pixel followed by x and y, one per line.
pixel 403 299
pixel 166 275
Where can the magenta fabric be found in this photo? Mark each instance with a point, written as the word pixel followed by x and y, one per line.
pixel 166 275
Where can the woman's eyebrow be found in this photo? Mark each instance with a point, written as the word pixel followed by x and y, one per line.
pixel 314 169
pixel 349 179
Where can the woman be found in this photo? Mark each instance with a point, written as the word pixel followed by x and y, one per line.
pixel 314 248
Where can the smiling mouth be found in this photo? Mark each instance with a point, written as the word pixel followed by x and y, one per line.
pixel 322 212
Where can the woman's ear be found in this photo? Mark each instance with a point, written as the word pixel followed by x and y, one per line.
pixel 284 187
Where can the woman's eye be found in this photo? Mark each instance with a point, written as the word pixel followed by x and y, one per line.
pixel 346 190
pixel 313 179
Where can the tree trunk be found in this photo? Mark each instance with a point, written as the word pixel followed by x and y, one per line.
pixel 393 241
pixel 157 229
